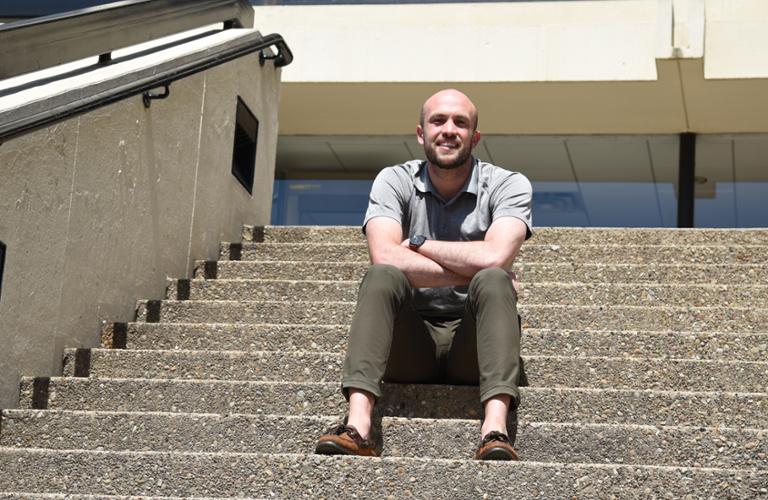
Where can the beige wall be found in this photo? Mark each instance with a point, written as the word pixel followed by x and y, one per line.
pixel 576 67
pixel 471 42
pixel 97 211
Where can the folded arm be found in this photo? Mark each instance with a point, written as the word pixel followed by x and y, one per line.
pixel 445 263
pixel 466 258
pixel 384 246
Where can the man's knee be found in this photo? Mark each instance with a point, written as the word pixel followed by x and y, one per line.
pixel 384 279
pixel 494 281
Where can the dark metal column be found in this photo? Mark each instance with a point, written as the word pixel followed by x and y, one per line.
pixel 685 184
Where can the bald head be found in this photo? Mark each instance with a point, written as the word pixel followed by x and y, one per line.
pixel 448 97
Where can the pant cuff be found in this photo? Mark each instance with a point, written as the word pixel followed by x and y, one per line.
pixel 510 390
pixel 360 384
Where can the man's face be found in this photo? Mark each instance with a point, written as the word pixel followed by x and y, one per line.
pixel 448 133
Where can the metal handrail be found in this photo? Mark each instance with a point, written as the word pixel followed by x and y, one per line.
pixel 42 42
pixel 74 103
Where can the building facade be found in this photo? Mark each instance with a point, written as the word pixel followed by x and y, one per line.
pixel 621 112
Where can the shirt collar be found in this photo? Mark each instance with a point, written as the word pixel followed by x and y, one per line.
pixel 422 182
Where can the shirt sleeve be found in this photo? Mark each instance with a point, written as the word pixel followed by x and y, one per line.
pixel 513 197
pixel 387 197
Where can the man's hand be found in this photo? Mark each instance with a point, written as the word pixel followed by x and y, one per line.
pixel 466 258
pixel 386 246
pixel 513 278
pixel 406 243
pixel 444 263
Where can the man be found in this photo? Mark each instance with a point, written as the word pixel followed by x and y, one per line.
pixel 438 303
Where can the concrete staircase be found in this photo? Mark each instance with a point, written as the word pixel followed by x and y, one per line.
pixel 646 350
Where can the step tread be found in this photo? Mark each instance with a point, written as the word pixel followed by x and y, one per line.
pixel 544 284
pixel 616 406
pixel 707 318
pixel 228 474
pixel 233 353
pixel 538 292
pixel 438 438
pixel 192 302
pixel 527 272
pixel 536 341
pixel 530 252
pixel 542 370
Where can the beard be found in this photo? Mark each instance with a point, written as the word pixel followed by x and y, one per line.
pixel 461 157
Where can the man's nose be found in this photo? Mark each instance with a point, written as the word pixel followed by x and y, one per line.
pixel 449 128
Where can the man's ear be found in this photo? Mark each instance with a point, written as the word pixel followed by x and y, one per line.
pixel 420 134
pixel 475 138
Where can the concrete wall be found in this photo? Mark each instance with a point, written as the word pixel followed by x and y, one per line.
pixel 575 67
pixel 97 211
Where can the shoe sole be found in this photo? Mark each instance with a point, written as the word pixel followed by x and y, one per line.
pixel 331 448
pixel 497 454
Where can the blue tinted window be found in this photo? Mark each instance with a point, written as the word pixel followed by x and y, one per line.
pixel 320 202
pixel 731 181
pixel 600 204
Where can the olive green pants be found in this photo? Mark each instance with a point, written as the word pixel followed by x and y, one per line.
pixel 390 341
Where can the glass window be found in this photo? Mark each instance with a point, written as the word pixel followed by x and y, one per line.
pixel 589 181
pixel 320 202
pixel 731 181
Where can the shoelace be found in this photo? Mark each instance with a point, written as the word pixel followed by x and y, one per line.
pixel 340 429
pixel 495 436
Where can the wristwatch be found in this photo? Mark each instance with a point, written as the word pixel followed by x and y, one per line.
pixel 416 241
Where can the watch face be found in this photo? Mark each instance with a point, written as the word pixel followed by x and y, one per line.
pixel 417 240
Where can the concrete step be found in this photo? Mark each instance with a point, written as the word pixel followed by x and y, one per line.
pixel 437 438
pixel 307 366
pixel 723 274
pixel 25 495
pixel 530 292
pixel 291 476
pixel 605 253
pixel 543 235
pixel 574 343
pixel 725 319
pixel 592 406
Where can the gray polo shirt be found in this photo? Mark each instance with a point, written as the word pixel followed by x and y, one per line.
pixel 405 193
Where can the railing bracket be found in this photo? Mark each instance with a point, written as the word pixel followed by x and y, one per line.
pixel 148 96
pixel 263 57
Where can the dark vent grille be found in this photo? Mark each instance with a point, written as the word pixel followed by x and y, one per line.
pixel 244 150
pixel 2 265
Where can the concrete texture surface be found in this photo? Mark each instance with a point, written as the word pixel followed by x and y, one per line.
pixel 33 224
pixel 542 235
pixel 647 380
pixel 542 371
pixel 533 253
pixel 229 474
pixel 616 406
pixel 98 210
pixel 718 318
pixel 434 438
pixel 562 342
pixel 530 292
pixel 721 274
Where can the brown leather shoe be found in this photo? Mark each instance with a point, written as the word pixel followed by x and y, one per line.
pixel 345 440
pixel 495 446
